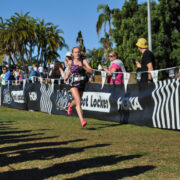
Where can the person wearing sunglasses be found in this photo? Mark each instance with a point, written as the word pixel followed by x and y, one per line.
pixel 115 66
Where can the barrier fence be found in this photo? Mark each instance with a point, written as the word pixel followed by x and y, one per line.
pixel 148 104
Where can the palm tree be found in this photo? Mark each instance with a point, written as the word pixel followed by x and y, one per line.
pixel 21 35
pixel 104 18
pixel 49 41
pixel 107 44
pixel 80 40
pixel 6 37
pixel 18 37
pixel 2 53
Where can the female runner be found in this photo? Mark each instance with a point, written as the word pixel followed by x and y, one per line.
pixel 78 79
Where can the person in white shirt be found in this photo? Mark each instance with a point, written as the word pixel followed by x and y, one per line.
pixel 67 64
pixel 40 70
pixel 34 67
pixel 51 69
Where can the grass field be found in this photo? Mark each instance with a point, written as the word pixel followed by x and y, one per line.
pixel 36 145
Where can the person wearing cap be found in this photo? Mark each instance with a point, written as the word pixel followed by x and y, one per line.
pixel 147 61
pixel 67 61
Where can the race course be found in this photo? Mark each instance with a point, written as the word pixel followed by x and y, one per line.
pixel 35 145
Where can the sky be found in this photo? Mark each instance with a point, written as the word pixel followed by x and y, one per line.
pixel 70 15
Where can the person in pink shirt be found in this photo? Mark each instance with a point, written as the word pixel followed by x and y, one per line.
pixel 115 66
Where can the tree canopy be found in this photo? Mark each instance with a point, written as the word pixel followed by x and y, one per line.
pixel 130 23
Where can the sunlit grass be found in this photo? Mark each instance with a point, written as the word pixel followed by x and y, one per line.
pixel 36 145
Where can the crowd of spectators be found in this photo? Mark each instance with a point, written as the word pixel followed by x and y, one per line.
pixel 16 74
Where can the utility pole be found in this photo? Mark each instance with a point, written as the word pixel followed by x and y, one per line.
pixel 149 25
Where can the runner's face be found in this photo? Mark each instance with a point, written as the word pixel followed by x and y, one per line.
pixel 76 53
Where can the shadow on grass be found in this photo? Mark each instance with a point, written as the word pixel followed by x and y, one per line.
pixel 7 122
pixel 27 152
pixel 73 166
pixel 37 145
pixel 6 128
pixel 30 152
pixel 6 132
pixel 4 125
pixel 15 132
pixel 102 126
pixel 116 174
pixel 18 140
pixel 42 154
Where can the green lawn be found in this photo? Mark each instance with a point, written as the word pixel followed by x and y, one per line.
pixel 36 145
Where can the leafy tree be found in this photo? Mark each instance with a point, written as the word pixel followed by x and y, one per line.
pixel 130 24
pixel 96 57
pixel 168 35
pixel 128 27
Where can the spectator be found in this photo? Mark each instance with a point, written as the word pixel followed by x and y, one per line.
pixel 40 70
pixel 23 73
pixel 147 62
pixel 8 77
pixel 115 66
pixel 51 69
pixel 62 68
pixel 32 74
pixel 4 70
pixel 68 61
pixel 16 73
pixel 56 73
pixel 35 67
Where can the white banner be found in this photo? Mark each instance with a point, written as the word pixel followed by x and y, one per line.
pixel 96 101
pixel 18 96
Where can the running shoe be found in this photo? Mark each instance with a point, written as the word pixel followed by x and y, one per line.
pixel 83 123
pixel 69 110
